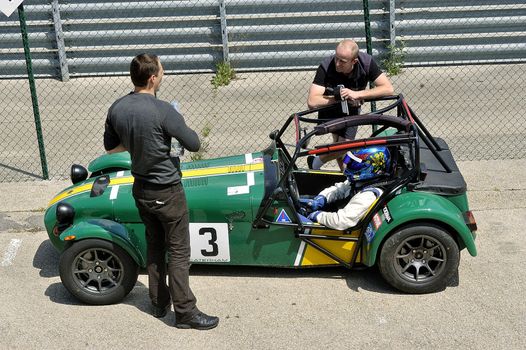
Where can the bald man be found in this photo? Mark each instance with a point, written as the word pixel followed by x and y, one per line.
pixel 352 69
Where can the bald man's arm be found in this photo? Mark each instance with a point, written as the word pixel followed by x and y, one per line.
pixel 382 87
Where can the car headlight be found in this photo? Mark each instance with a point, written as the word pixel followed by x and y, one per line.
pixel 78 173
pixel 64 214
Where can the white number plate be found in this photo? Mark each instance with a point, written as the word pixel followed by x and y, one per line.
pixel 209 242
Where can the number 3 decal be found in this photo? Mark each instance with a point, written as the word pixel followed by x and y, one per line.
pixel 212 241
pixel 209 242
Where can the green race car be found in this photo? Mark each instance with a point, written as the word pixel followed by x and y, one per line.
pixel 246 210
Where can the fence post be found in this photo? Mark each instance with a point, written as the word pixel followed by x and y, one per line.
pixel 59 39
pixel 33 90
pixel 224 30
pixel 368 41
pixel 392 28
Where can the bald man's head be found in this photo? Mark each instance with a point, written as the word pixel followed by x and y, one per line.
pixel 346 56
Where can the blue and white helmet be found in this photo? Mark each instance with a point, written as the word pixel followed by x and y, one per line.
pixel 367 163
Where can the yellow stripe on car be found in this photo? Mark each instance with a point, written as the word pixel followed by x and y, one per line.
pixel 190 173
pixel 223 170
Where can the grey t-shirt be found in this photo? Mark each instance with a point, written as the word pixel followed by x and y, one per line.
pixel 145 126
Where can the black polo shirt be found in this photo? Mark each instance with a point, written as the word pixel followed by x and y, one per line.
pixel 364 71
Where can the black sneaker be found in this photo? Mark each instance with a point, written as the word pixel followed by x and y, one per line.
pixel 160 312
pixel 310 160
pixel 199 321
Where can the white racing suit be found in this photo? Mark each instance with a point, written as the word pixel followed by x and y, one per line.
pixel 354 210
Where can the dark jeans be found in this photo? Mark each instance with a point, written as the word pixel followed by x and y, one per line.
pixel 164 211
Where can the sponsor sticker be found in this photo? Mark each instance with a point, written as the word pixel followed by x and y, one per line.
pixel 236 190
pixel 283 217
pixel 387 214
pixel 377 221
pixel 369 233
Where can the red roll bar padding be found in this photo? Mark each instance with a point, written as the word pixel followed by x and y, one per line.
pixel 335 125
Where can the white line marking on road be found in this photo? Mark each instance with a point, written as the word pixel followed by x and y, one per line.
pixel 11 251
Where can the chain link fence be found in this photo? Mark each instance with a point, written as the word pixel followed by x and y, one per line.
pixel 239 68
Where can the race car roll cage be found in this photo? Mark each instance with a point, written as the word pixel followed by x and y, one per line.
pixel 410 131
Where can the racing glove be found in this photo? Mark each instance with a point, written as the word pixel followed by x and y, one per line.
pixel 314 204
pixel 304 219
pixel 314 215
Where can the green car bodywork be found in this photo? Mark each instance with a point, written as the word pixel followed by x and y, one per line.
pixel 241 212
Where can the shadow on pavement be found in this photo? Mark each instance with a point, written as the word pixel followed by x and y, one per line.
pixel 46 259
pixel 356 279
pixel 23 172
pixel 369 279
pixel 138 298
pixel 360 278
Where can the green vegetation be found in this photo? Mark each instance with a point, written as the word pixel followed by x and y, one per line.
pixel 199 155
pixel 224 75
pixel 38 210
pixel 394 60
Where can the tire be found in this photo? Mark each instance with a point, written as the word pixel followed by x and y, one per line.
pixel 420 258
pixel 97 272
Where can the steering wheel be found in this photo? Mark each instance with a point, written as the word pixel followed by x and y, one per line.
pixel 293 191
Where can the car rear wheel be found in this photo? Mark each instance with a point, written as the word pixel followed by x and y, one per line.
pixel 420 258
pixel 97 271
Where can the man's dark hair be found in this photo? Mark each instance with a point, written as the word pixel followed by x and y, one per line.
pixel 142 67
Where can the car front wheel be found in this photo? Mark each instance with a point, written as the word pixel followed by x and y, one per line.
pixel 420 258
pixel 97 271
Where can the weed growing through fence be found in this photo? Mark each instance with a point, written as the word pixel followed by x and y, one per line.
pixel 199 155
pixel 394 60
pixel 224 75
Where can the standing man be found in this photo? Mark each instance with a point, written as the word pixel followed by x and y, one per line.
pixel 352 69
pixel 144 125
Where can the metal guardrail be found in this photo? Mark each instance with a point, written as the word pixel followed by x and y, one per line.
pixel 83 38
pixel 448 47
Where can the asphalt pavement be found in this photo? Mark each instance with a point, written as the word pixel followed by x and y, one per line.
pixel 277 308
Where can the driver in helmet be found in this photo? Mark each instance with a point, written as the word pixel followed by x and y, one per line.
pixel 362 165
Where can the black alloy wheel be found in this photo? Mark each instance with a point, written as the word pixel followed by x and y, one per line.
pixel 420 258
pixel 97 271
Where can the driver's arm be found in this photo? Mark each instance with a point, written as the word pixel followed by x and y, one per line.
pixel 350 215
pixel 316 97
pixel 339 190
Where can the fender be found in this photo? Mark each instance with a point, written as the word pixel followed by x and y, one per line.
pixel 114 160
pixel 420 206
pixel 104 229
